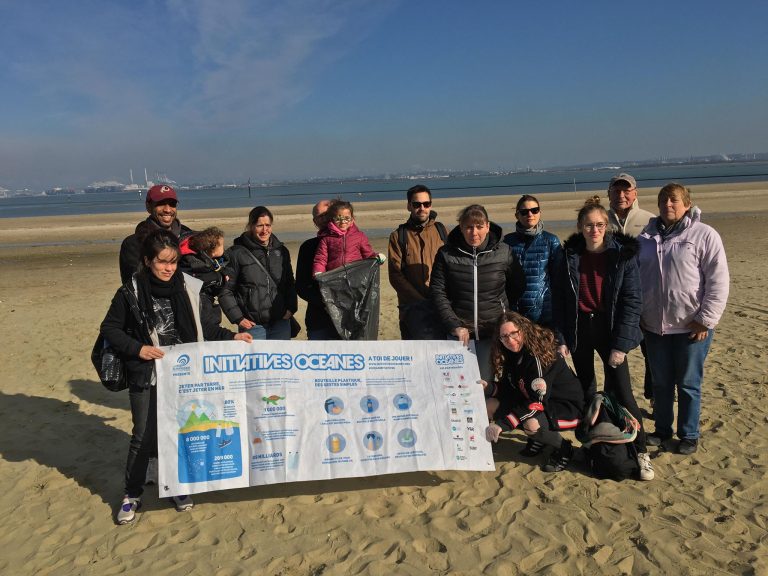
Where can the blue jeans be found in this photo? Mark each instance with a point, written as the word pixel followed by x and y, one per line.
pixel 677 362
pixel 277 330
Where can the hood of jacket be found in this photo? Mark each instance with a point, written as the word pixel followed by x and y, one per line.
pixel 627 246
pixel 691 217
pixel 332 230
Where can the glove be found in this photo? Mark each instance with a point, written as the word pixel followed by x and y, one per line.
pixel 493 432
pixel 381 258
pixel 616 358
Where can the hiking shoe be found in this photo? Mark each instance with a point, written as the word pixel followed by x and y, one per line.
pixel 654 439
pixel 151 476
pixel 183 503
pixel 688 446
pixel 127 512
pixel 532 448
pixel 646 469
pixel 560 458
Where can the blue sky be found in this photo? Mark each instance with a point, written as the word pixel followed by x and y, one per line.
pixel 213 90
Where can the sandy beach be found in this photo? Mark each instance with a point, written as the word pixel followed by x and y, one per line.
pixel 64 439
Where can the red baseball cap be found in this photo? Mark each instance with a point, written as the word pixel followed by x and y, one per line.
pixel 160 192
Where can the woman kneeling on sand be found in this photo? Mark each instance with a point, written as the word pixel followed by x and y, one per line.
pixel 533 388
pixel 166 316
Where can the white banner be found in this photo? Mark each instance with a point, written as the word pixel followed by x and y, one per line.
pixel 231 414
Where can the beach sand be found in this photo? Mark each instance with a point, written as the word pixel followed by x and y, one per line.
pixel 63 441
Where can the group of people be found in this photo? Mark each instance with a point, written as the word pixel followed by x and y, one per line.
pixel 526 302
pixel 523 301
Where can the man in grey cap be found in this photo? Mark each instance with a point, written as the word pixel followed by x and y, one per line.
pixel 625 215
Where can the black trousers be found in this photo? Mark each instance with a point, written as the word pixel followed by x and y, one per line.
pixel 594 335
pixel 143 438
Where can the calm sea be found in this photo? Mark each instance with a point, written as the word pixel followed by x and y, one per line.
pixel 525 183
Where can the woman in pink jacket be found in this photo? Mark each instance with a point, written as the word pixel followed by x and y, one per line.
pixel 684 277
pixel 341 241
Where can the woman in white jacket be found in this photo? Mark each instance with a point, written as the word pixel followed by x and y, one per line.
pixel 685 281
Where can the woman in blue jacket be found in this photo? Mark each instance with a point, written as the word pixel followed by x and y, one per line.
pixel 600 310
pixel 541 255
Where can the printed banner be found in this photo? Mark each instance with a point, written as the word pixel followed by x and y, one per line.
pixel 232 414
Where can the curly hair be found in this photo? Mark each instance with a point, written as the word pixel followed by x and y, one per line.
pixel 206 240
pixel 538 340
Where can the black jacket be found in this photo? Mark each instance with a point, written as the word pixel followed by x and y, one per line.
pixel 130 249
pixel 200 266
pixel 249 292
pixel 127 335
pixel 485 279
pixel 621 298
pixel 563 398
pixel 317 317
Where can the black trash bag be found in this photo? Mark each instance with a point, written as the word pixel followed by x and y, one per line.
pixel 351 297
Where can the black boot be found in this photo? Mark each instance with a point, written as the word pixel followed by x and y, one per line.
pixel 560 458
pixel 532 448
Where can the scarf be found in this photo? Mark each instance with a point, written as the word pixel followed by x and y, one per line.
pixel 150 285
pixel 536 230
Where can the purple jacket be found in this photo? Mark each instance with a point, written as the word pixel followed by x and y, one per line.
pixel 684 276
pixel 337 248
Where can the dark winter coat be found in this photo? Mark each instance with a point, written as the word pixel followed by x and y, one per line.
pixel 317 317
pixel 126 335
pixel 472 286
pixel 130 249
pixel 201 266
pixel 621 297
pixel 562 401
pixel 541 258
pixel 251 293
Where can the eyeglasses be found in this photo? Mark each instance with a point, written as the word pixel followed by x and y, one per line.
pixel 509 335
pixel 597 226
pixel 526 211
pixel 619 190
pixel 418 205
pixel 341 219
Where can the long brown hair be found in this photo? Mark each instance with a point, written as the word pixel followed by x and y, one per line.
pixel 538 340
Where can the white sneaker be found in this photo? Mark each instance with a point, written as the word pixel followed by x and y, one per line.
pixel 127 512
pixel 183 503
pixel 646 469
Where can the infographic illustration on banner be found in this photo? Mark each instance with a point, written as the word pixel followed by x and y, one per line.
pixel 232 414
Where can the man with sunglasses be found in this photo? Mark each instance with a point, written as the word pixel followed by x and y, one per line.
pixel 161 204
pixel 625 215
pixel 412 249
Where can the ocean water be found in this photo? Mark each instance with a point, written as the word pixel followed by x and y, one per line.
pixel 536 183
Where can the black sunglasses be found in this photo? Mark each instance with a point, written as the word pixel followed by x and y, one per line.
pixel 426 204
pixel 525 211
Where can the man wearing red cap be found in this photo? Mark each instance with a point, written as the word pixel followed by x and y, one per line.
pixel 161 204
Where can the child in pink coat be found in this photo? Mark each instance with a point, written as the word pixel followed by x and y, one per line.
pixel 341 241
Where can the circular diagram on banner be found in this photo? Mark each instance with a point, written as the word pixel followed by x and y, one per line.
pixel 369 404
pixel 335 443
pixel 402 402
pixel 373 440
pixel 334 406
pixel 406 438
